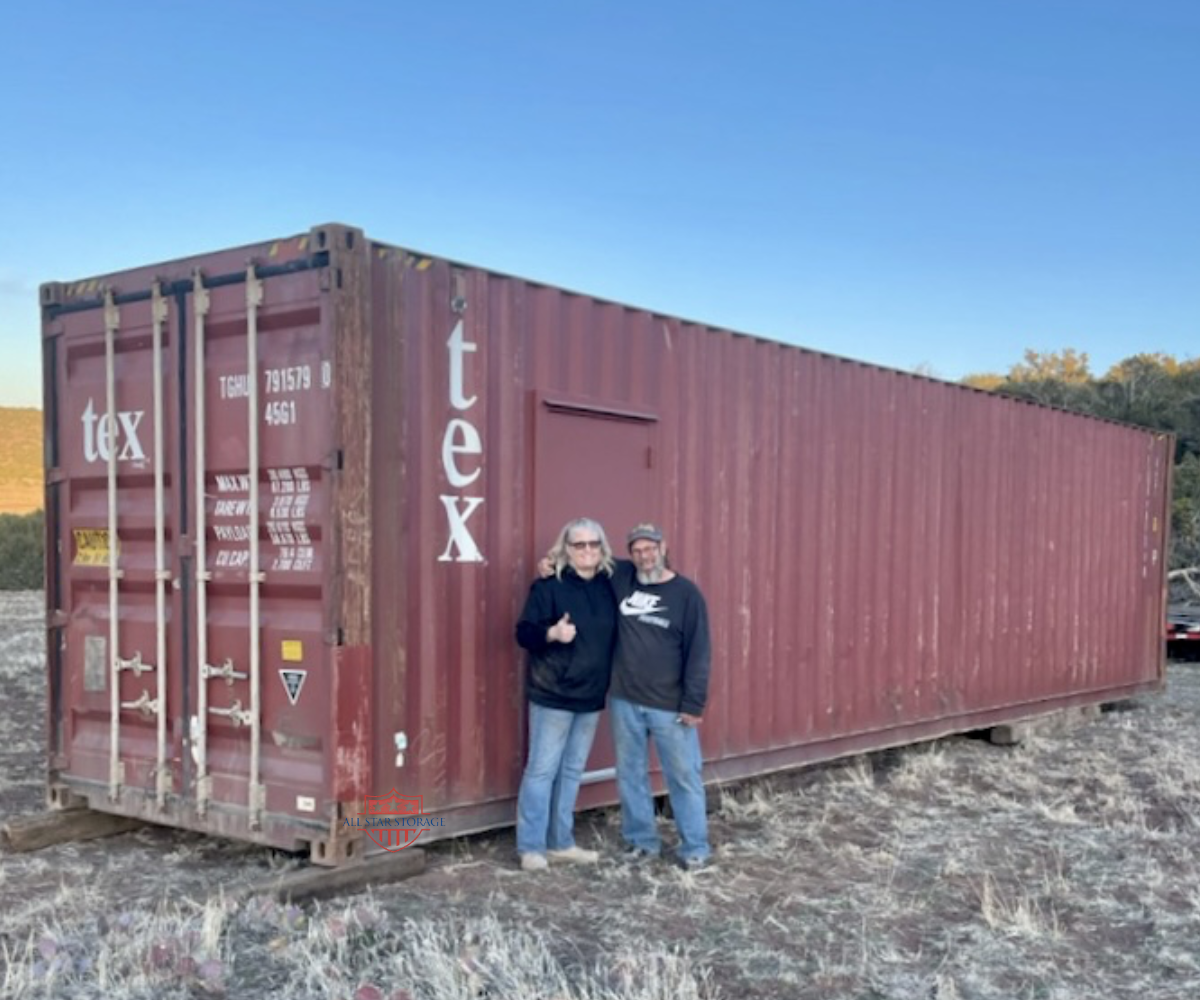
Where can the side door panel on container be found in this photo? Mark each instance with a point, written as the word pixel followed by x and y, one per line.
pixel 595 460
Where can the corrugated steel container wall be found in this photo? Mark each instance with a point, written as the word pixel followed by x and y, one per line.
pixel 885 557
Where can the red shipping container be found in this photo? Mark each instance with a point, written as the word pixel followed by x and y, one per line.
pixel 295 494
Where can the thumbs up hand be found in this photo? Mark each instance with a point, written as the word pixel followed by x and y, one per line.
pixel 562 630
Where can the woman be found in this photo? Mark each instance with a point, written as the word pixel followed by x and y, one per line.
pixel 569 627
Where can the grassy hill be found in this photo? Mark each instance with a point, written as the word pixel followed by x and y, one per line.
pixel 20 460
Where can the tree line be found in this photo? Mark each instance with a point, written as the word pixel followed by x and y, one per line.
pixel 1150 390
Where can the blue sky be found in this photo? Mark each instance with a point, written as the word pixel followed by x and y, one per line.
pixel 908 182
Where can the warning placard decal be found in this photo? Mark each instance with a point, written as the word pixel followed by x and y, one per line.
pixel 293 681
pixel 91 546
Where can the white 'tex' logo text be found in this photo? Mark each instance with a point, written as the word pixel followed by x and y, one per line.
pixel 101 434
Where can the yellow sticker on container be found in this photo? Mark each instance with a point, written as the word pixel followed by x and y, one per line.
pixel 293 650
pixel 91 546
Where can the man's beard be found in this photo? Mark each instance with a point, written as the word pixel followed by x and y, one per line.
pixel 652 575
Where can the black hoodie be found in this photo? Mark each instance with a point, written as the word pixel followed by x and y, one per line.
pixel 569 675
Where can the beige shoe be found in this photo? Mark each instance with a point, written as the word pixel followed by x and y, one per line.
pixel 575 855
pixel 534 862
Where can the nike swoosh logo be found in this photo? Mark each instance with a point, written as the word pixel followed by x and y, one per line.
pixel 641 604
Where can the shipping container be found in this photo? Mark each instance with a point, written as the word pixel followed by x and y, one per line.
pixel 296 493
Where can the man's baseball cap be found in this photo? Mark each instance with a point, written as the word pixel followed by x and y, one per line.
pixel 644 532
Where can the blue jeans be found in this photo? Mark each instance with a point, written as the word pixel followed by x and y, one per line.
pixel 678 748
pixel 559 743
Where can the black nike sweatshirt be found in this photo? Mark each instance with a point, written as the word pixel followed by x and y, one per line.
pixel 664 653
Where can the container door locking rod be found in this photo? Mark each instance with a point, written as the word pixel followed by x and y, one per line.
pixel 199 727
pixel 116 770
pixel 257 793
pixel 162 575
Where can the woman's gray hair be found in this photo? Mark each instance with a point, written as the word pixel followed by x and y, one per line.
pixel 559 556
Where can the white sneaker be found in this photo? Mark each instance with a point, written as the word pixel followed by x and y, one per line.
pixel 534 862
pixel 575 855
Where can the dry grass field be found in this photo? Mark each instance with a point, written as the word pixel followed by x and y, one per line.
pixel 1064 869
pixel 20 460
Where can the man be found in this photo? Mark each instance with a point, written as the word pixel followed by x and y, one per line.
pixel 659 690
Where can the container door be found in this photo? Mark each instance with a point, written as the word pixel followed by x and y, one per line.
pixel 259 377
pixel 593 461
pixel 112 527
